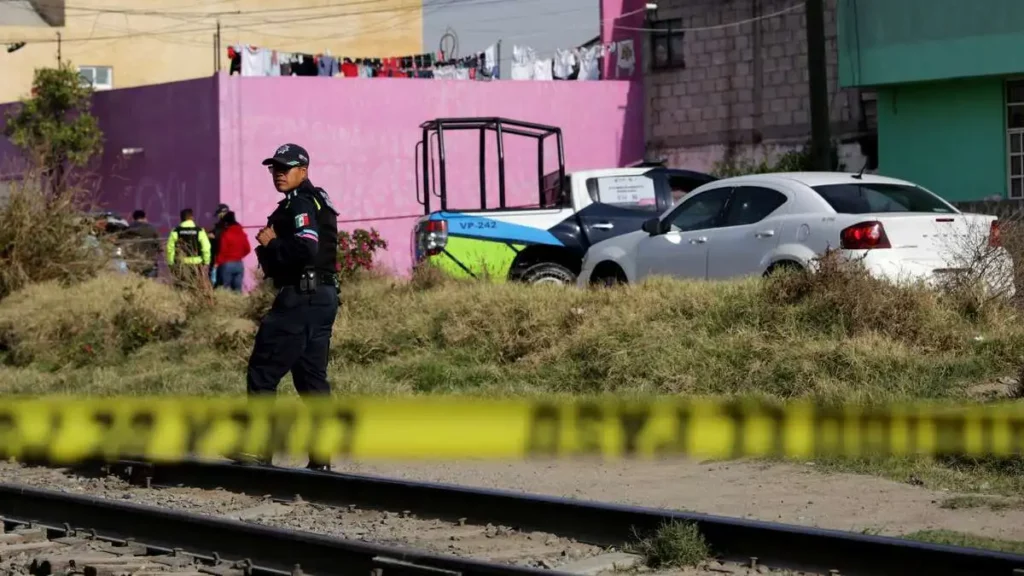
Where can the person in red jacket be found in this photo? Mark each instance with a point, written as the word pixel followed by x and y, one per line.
pixel 233 247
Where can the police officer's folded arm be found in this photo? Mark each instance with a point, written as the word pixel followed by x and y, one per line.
pixel 299 249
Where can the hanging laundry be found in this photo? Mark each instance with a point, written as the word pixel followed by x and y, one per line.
pixel 626 61
pixel 523 59
pixel 274 68
pixel 255 61
pixel 589 63
pixel 542 69
pixel 327 66
pixel 304 65
pixel 491 65
pixel 349 69
pixel 564 66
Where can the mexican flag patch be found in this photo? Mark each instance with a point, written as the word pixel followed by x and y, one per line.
pixel 302 220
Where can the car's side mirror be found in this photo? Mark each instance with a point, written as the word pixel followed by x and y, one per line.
pixel 652 226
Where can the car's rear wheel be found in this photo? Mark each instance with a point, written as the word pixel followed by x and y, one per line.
pixel 549 273
pixel 607 275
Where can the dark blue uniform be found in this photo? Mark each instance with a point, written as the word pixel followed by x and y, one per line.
pixel 296 334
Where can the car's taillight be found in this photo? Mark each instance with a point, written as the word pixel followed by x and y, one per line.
pixel 994 240
pixel 864 236
pixel 432 237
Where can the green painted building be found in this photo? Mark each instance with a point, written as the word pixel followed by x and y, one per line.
pixel 949 76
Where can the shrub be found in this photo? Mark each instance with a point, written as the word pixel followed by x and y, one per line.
pixel 45 237
pixel 356 252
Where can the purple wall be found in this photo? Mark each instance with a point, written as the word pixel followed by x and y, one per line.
pixel 176 126
pixel 361 135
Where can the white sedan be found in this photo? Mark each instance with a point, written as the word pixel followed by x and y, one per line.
pixel 753 225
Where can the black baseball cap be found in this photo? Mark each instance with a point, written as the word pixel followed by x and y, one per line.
pixel 290 155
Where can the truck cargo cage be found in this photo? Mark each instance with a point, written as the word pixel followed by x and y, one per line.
pixel 550 188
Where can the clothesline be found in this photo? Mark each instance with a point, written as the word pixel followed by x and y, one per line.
pixel 249 60
pixel 580 63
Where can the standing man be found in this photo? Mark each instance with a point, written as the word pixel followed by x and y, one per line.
pixel 298 252
pixel 194 245
pixel 215 234
pixel 143 246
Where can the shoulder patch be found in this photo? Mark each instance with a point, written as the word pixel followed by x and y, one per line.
pixel 326 199
pixel 301 220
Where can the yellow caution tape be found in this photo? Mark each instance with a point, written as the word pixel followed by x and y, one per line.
pixel 67 430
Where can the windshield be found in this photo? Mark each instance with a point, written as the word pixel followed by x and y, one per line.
pixel 867 198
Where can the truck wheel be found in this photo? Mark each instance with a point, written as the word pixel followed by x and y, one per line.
pixel 548 273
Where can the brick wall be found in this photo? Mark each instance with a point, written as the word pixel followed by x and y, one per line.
pixel 743 84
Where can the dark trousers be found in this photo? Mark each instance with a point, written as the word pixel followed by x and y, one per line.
pixel 294 336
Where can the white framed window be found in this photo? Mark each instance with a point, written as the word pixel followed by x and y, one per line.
pixel 100 77
pixel 1015 137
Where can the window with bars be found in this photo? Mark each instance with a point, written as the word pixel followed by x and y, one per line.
pixel 1015 135
pixel 667 44
pixel 100 77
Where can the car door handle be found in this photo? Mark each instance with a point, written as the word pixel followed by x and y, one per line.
pixel 764 234
pixel 699 240
pixel 603 226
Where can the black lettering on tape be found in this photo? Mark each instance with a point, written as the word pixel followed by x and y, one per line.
pixel 281 424
pixel 347 420
pixel 142 425
pixel 108 443
pixel 1017 436
pixel 243 419
pixel 10 438
pixel 589 417
pixel 545 432
pixel 633 423
pixel 826 421
pixel 871 442
pixel 987 435
pixel 777 416
pixel 197 429
pixel 677 444
pixel 735 412
pixel 949 435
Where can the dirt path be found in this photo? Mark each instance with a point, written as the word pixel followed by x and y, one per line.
pixel 794 494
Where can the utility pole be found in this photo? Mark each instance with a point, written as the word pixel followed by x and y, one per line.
pixel 821 141
pixel 58 49
pixel 216 49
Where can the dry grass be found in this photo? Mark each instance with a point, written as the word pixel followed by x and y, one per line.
pixel 838 335
pixel 45 236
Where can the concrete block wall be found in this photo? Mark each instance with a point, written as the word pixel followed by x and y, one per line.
pixel 742 84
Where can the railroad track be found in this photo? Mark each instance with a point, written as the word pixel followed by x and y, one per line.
pixel 48 532
pixel 739 542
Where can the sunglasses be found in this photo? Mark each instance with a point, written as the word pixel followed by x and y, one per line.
pixel 278 169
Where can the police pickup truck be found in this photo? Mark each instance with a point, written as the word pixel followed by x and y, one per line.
pixel 541 242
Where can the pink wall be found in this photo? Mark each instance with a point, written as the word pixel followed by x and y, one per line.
pixel 361 135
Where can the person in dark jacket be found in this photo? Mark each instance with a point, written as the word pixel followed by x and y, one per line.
pixel 233 247
pixel 142 245
pixel 298 253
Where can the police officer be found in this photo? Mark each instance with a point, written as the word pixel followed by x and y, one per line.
pixel 298 253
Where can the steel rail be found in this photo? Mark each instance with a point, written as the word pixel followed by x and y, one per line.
pixel 274 549
pixel 733 539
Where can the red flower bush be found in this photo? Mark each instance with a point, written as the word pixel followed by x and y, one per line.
pixel 356 251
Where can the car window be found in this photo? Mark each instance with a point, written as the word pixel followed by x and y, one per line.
pixel 700 212
pixel 867 198
pixel 681 185
pixel 636 192
pixel 750 204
